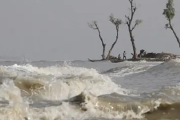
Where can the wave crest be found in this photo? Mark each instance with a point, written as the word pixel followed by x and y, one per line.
pixel 62 82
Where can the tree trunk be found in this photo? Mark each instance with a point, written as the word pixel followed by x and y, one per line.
pixel 103 45
pixel 133 44
pixel 174 33
pixel 109 53
pixel 103 54
pixel 134 49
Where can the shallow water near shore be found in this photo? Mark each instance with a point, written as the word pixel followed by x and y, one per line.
pixel 82 90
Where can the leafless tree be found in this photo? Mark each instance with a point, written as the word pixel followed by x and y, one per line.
pixel 129 20
pixel 94 26
pixel 117 22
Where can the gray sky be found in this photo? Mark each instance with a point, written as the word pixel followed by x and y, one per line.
pixel 58 30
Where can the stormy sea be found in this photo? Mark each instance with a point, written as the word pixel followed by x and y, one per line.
pixel 82 90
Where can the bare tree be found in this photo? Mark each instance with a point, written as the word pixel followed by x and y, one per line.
pixel 94 26
pixel 169 13
pixel 117 22
pixel 131 27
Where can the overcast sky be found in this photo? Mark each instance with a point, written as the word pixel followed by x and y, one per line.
pixel 58 30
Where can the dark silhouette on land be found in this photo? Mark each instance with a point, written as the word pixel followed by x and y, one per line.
pixel 124 55
pixel 119 57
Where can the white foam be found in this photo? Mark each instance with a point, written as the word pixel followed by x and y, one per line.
pixel 17 108
pixel 63 82
pixel 60 82
pixel 10 92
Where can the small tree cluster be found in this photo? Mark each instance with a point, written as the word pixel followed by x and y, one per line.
pixel 169 13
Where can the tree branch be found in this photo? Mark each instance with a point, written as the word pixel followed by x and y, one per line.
pixel 133 10
pixel 130 18
pixel 134 26
pixel 117 22
pixel 93 25
pixel 137 22
pixel 167 26
pixel 171 27
pixel 127 17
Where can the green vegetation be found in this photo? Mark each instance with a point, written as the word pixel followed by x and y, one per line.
pixel 169 13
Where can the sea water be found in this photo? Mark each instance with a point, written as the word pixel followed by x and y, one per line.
pixel 82 90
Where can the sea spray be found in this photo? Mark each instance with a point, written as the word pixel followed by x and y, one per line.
pixel 62 82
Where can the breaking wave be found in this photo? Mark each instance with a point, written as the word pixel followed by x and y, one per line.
pixel 59 82
pixel 65 92
pixel 157 105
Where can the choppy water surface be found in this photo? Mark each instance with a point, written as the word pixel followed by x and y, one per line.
pixel 81 90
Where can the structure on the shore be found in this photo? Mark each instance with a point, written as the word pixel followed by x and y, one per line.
pixel 161 56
